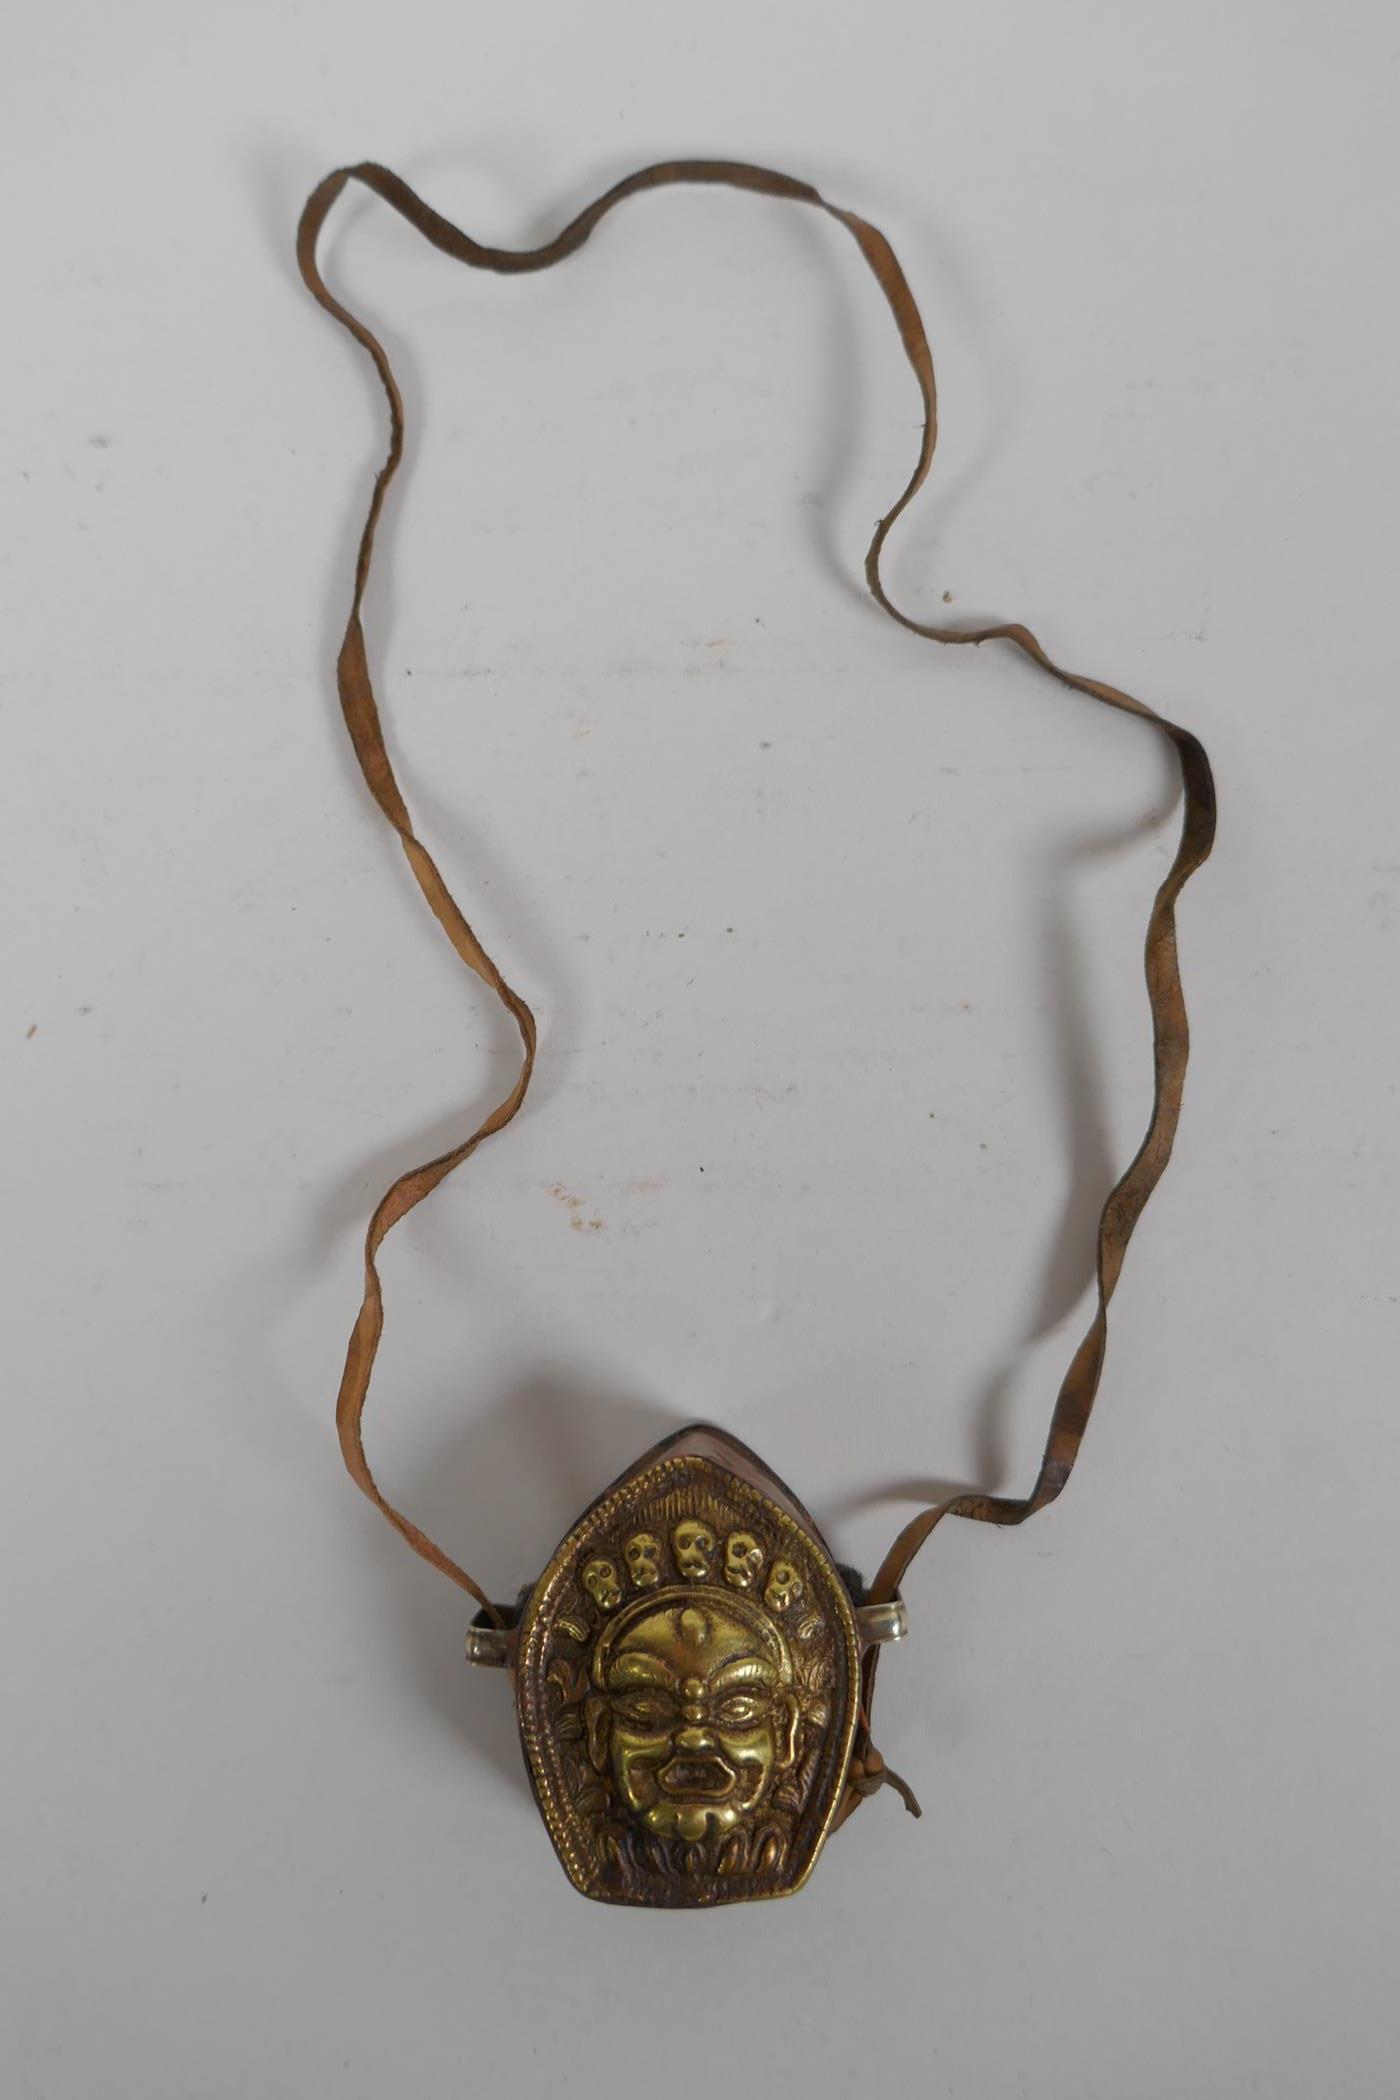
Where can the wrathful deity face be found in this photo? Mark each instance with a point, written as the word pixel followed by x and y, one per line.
pixel 694 1711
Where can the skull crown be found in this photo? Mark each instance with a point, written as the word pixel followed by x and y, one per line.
pixel 642 1554
pixel 784 1587
pixel 694 1546
pixel 743 1560
pixel 699 1557
pixel 600 1580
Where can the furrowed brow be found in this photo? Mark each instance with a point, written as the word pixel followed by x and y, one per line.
pixel 750 1669
pixel 640 1669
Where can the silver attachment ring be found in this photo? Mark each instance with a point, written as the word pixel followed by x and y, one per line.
pixel 883 1622
pixel 486 1647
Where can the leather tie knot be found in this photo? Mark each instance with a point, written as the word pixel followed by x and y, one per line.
pixel 869 1772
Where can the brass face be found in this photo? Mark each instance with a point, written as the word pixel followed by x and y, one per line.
pixel 688 1743
pixel 694 1713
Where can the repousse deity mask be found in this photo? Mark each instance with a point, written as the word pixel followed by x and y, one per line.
pixel 690 1741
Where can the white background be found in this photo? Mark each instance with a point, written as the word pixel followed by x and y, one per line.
pixel 834 938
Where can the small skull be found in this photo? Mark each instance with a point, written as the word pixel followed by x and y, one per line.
pixel 694 1543
pixel 784 1587
pixel 643 1556
pixel 600 1581
pixel 743 1560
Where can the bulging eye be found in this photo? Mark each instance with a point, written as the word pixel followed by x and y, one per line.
pixel 652 1711
pixel 740 1710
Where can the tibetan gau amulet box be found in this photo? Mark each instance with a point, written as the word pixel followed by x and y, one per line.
pixel 694 1674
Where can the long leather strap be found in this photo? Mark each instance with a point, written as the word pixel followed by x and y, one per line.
pixel 1169 1029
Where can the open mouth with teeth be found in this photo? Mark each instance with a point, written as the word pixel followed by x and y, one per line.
pixel 698 1778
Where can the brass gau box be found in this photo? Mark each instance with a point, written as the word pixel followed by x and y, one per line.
pixel 688 1684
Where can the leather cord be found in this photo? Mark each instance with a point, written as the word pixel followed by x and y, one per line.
pixel 1125 1203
